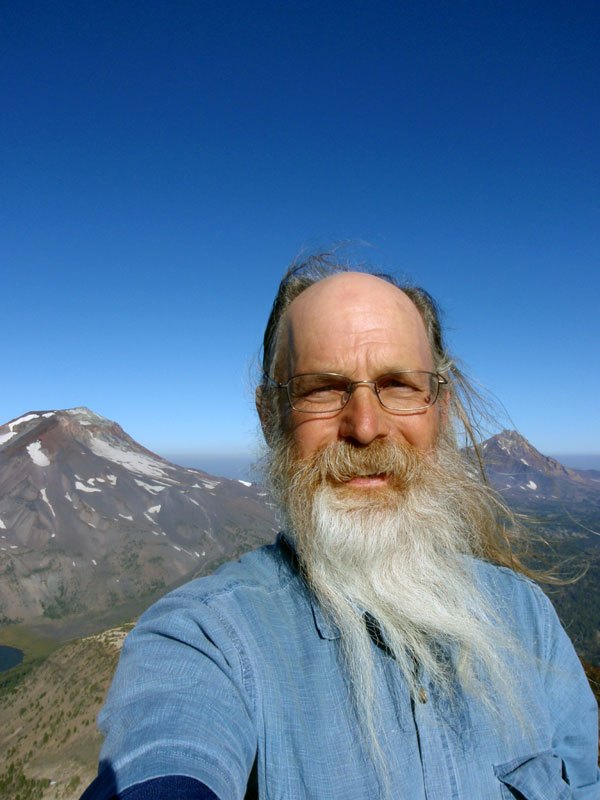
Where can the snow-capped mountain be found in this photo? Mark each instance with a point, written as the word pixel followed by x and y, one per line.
pixel 90 518
pixel 523 474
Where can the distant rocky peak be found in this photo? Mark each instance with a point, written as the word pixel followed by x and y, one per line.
pixel 81 423
pixel 83 414
pixel 509 439
pixel 510 452
pixel 43 434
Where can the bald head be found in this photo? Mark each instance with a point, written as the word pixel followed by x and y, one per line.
pixel 347 320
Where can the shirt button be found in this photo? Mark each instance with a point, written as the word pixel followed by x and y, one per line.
pixel 422 695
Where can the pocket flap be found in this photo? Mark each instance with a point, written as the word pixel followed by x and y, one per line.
pixel 535 777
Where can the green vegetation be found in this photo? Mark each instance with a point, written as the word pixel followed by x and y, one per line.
pixel 157 585
pixel 4 620
pixel 14 784
pixel 49 743
pixel 129 559
pixel 63 604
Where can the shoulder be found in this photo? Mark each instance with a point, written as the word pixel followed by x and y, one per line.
pixel 260 590
pixel 517 598
pixel 506 584
pixel 257 576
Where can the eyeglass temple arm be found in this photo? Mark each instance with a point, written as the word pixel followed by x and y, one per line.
pixel 274 382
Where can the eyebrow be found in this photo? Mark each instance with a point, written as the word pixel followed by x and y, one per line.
pixel 386 370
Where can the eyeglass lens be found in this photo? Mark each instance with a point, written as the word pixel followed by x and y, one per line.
pixel 400 391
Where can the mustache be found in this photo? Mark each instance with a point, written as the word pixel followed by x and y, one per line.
pixel 339 462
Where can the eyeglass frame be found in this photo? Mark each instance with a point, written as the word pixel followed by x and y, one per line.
pixel 441 381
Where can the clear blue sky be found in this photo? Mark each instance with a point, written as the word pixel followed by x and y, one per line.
pixel 162 163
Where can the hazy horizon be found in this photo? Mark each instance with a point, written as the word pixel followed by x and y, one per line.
pixel 243 466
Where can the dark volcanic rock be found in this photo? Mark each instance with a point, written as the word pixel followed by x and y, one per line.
pixel 90 518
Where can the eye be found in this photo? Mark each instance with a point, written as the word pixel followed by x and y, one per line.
pixel 320 389
pixel 316 386
pixel 397 382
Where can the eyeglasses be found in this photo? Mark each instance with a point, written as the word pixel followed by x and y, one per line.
pixel 408 391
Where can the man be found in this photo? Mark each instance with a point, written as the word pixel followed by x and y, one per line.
pixel 381 647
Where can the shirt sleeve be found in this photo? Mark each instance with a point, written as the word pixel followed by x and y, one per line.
pixel 181 702
pixel 171 787
pixel 574 710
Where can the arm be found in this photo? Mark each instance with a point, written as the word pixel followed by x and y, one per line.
pixel 171 787
pixel 181 703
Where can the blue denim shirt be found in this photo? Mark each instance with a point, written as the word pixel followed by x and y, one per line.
pixel 242 668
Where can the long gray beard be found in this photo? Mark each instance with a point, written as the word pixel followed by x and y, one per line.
pixel 399 553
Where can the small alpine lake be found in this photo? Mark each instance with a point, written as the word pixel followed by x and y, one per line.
pixel 9 657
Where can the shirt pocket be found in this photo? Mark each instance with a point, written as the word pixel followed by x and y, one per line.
pixel 533 777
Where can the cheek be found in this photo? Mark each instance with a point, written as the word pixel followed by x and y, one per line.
pixel 311 434
pixel 420 430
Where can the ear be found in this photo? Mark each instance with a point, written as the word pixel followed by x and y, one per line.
pixel 262 412
pixel 443 402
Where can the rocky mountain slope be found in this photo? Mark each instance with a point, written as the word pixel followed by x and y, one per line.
pixel 90 519
pixel 49 743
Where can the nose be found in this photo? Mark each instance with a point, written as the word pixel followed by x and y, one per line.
pixel 363 419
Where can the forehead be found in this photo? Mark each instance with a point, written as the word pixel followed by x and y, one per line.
pixel 353 322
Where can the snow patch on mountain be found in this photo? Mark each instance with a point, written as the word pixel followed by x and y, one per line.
pixel 48 503
pixel 207 484
pixel 37 454
pixel 245 483
pixel 5 437
pixel 83 488
pixel 532 485
pixel 131 460
pixel 152 488
pixel 21 420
